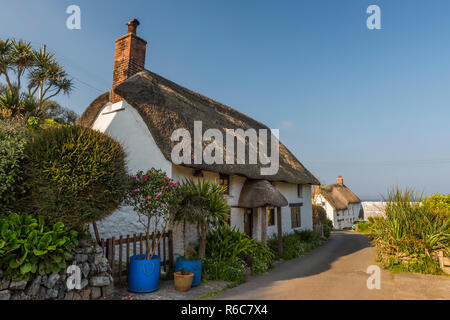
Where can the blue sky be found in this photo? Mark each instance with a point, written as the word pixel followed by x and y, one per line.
pixel 370 105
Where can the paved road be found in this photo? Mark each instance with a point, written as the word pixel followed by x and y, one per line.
pixel 337 270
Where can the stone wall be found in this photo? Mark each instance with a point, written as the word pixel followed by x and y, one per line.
pixel 96 279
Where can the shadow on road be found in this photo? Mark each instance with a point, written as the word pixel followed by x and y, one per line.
pixel 340 244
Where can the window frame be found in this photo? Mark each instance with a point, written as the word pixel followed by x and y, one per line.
pixel 296 217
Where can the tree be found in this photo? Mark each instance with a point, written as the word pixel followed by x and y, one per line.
pixel 204 204
pixel 46 78
pixel 155 197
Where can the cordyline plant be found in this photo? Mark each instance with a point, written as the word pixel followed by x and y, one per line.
pixel 155 197
pixel 202 204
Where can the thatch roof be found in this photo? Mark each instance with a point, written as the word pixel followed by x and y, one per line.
pixel 339 196
pixel 260 193
pixel 91 112
pixel 166 106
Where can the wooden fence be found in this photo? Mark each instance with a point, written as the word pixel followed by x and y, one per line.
pixel 118 252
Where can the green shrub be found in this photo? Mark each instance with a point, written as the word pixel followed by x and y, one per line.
pixel 76 175
pixel 29 246
pixel 438 203
pixel 13 137
pixel 319 214
pixel 420 264
pixel 320 217
pixel 308 236
pixel 295 244
pixel 230 244
pixel 226 270
pixel 260 259
pixel 410 232
pixel 226 243
pixel 292 246
pixel 327 228
pixel 363 227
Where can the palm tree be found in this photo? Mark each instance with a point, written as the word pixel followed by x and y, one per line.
pixel 21 59
pixel 46 78
pixel 5 60
pixel 204 205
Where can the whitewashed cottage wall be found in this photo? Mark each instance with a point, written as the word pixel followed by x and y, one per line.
pixel 122 122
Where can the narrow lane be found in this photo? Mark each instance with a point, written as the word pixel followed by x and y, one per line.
pixel 337 270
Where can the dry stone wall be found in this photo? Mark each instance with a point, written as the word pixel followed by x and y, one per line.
pixel 96 279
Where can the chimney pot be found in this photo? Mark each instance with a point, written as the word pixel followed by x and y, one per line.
pixel 340 180
pixel 129 57
pixel 132 25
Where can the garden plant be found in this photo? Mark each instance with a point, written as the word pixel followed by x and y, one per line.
pixel 30 246
pixel 155 198
pixel 72 174
pixel 412 232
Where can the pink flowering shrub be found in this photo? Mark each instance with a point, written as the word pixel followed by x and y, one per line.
pixel 155 197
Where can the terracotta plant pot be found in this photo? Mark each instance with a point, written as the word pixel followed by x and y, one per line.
pixel 183 282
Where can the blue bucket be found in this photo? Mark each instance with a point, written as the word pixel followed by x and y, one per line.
pixel 143 275
pixel 194 266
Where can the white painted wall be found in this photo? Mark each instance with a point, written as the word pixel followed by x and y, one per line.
pixel 128 128
pixel 373 209
pixel 331 212
pixel 122 122
pixel 341 218
pixel 289 191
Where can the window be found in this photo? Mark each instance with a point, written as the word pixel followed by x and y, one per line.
pixel 224 180
pixel 271 217
pixel 299 191
pixel 296 217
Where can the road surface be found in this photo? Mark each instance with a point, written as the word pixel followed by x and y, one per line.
pixel 337 270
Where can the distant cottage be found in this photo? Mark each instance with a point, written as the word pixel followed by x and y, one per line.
pixel 144 109
pixel 341 204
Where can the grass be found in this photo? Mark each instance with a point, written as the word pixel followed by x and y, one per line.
pixel 212 294
pixel 295 244
pixel 410 234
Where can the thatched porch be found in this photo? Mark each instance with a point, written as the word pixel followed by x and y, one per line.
pixel 255 197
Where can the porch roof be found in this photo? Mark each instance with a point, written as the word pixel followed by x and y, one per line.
pixel 260 193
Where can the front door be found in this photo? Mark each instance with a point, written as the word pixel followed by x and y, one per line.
pixel 248 222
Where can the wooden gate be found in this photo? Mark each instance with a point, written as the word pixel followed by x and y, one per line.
pixel 119 250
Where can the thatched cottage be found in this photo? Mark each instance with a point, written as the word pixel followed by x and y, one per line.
pixel 142 112
pixel 341 204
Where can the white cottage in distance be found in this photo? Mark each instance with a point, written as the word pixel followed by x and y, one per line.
pixel 143 110
pixel 341 204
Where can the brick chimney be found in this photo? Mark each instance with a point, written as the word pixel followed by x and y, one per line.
pixel 339 180
pixel 129 57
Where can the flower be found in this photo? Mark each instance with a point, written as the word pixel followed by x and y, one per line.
pixel 147 198
pixel 136 191
pixel 145 177
pixel 135 177
pixel 157 196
